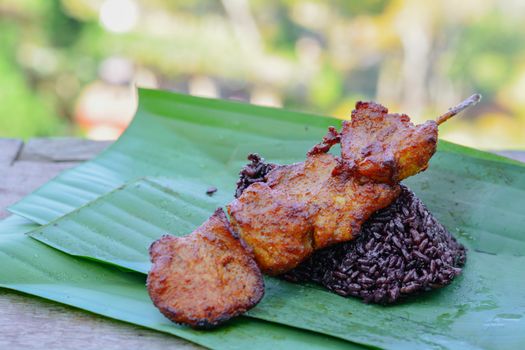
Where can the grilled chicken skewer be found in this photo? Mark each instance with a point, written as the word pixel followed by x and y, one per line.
pixel 324 200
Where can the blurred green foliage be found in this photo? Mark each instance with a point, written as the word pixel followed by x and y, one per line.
pixel 69 66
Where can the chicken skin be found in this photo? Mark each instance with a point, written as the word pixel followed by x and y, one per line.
pixel 386 147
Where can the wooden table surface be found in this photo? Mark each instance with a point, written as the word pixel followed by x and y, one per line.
pixel 32 323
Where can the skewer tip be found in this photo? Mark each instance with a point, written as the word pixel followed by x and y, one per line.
pixel 471 101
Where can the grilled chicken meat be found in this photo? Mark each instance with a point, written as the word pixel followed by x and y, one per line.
pixel 205 278
pixel 304 207
pixel 386 147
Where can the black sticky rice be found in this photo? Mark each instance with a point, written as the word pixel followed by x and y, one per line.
pixel 400 251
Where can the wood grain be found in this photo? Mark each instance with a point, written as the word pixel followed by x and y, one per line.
pixel 32 323
pixel 9 149
pixel 64 149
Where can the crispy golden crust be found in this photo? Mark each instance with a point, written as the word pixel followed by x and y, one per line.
pixel 344 203
pixel 303 207
pixel 205 278
pixel 386 147
pixel 276 228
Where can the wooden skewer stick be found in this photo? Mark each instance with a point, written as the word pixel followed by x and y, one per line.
pixel 471 101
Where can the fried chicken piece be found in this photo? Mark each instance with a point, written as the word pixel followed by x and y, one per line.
pixel 304 207
pixel 205 278
pixel 331 138
pixel 386 147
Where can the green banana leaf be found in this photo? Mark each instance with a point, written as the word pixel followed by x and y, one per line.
pixel 200 143
pixel 33 268
pixel 203 141
pixel 119 227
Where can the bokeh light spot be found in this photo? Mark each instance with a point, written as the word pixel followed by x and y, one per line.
pixel 119 16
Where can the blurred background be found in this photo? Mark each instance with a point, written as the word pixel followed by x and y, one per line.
pixel 69 67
